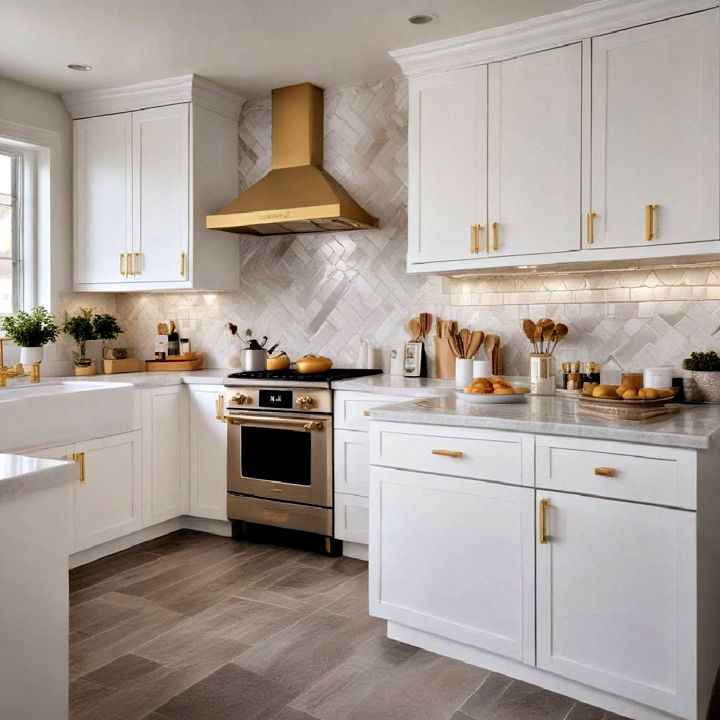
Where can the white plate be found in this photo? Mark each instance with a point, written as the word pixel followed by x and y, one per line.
pixel 489 398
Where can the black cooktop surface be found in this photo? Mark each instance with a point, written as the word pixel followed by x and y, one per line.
pixel 291 374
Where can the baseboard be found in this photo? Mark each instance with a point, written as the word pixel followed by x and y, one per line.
pixel 184 522
pixel 520 671
pixel 355 550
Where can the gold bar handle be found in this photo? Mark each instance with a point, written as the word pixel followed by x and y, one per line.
pixel 605 471
pixel 496 236
pixel 130 268
pixel 123 264
pixel 591 227
pixel 448 453
pixel 543 536
pixel 478 232
pixel 183 259
pixel 650 222
pixel 139 259
pixel 79 458
pixel 472 239
pixel 220 407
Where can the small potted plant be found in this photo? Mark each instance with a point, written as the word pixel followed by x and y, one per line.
pixel 108 328
pixel 705 368
pixel 81 329
pixel 31 331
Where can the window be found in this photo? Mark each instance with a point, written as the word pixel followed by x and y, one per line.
pixel 11 167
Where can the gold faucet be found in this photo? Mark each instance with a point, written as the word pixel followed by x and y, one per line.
pixel 17 370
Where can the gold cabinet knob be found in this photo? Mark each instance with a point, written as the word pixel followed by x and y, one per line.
pixel 605 471
pixel 240 399
pixel 305 401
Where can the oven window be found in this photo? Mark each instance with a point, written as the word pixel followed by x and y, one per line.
pixel 280 455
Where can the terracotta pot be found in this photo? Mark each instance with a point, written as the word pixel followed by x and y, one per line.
pixel 708 385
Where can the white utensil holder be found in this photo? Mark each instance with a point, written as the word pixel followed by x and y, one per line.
pixel 463 371
pixel 481 368
pixel 542 374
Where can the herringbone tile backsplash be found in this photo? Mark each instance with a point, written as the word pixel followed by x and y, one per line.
pixel 325 293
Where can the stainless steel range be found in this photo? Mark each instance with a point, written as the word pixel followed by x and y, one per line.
pixel 280 450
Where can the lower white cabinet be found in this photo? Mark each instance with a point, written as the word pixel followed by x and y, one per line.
pixel 165 453
pixel 352 464
pixel 208 454
pixel 108 502
pixel 454 557
pixel 351 518
pixel 616 598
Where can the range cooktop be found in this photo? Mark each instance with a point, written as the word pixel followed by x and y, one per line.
pixel 291 375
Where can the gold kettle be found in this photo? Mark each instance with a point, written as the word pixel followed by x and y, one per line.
pixel 313 364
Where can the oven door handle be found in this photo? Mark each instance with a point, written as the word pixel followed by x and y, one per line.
pixel 309 425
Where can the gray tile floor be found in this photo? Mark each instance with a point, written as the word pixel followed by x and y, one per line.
pixel 197 627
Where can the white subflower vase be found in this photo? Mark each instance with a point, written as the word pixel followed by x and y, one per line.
pixel 31 355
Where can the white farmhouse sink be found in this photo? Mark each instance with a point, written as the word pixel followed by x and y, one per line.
pixel 62 412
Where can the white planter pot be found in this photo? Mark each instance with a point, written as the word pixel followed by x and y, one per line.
pixel 708 385
pixel 30 355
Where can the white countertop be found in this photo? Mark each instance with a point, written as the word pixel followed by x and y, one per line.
pixel 695 426
pixel 156 379
pixel 397 385
pixel 20 474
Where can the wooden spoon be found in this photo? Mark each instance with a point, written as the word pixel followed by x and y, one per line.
pixel 425 323
pixel 528 327
pixel 561 331
pixel 454 345
pixel 475 341
pixel 465 336
pixel 538 337
pixel 547 333
pixel 414 329
pixel 489 346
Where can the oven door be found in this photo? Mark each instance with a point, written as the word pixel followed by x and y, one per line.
pixel 281 457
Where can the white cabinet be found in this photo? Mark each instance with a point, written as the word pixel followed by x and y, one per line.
pixel 102 197
pixel 534 153
pixel 161 143
pixel 146 178
pixel 351 518
pixel 108 502
pixel 616 599
pixel 655 133
pixel 208 454
pixel 447 161
pixel 351 462
pixel 455 558
pixel 165 454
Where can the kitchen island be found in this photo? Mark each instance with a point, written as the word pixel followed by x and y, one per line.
pixel 35 538
pixel 575 553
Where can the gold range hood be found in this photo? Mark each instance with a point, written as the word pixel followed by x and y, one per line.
pixel 297 195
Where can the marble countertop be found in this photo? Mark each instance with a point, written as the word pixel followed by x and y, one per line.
pixel 397 385
pixel 155 379
pixel 20 474
pixel 695 426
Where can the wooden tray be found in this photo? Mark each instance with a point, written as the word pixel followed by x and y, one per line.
pixel 126 365
pixel 179 363
pixel 611 402
pixel 636 414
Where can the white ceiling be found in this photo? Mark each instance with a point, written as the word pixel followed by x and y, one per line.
pixel 248 45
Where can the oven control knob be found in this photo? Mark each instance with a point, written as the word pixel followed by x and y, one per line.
pixel 240 399
pixel 305 401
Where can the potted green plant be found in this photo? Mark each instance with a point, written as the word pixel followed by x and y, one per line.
pixel 108 328
pixel 81 329
pixel 31 331
pixel 705 368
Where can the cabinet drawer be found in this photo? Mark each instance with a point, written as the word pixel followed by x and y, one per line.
pixel 642 473
pixel 351 518
pixel 350 408
pixel 351 462
pixel 473 453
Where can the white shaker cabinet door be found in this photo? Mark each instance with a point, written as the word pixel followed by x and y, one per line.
pixel 351 462
pixel 165 454
pixel 161 141
pixel 616 602
pixel 655 133
pixel 108 502
pixel 454 557
pixel 102 198
pixel 208 454
pixel 534 153
pixel 447 164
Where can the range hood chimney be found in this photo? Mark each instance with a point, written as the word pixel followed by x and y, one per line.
pixel 297 195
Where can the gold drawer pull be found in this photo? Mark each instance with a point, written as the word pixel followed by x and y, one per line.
pixel 496 236
pixel 79 458
pixel 183 262
pixel 448 453
pixel 605 471
pixel 591 227
pixel 650 222
pixel 123 264
pixel 366 413
pixel 543 536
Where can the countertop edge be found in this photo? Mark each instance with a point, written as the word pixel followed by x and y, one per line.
pixel 56 472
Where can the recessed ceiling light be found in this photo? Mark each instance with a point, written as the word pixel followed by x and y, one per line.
pixel 80 67
pixel 421 19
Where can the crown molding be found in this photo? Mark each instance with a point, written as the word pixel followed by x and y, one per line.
pixel 540 33
pixel 154 93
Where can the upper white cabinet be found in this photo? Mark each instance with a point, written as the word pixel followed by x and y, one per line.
pixel 567 139
pixel 145 178
pixel 448 156
pixel 534 153
pixel 655 120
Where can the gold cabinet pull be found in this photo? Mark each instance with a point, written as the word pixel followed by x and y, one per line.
pixel 605 471
pixel 591 227
pixel 478 231
pixel 472 239
pixel 543 536
pixel 79 458
pixel 448 453
pixel 220 407
pixel 130 264
pixel 183 260
pixel 123 264
pixel 650 222
pixel 137 256
pixel 496 236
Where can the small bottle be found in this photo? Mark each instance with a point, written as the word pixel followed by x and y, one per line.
pixel 184 346
pixel 173 347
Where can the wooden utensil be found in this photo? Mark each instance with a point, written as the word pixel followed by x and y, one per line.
pixel 489 346
pixel 528 327
pixel 561 331
pixel 414 329
pixel 454 344
pixel 538 337
pixel 465 336
pixel 548 329
pixel 475 341
pixel 425 320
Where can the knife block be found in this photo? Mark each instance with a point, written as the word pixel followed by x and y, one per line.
pixel 444 359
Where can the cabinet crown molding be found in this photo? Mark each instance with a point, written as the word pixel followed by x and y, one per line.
pixel 155 93
pixel 539 33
